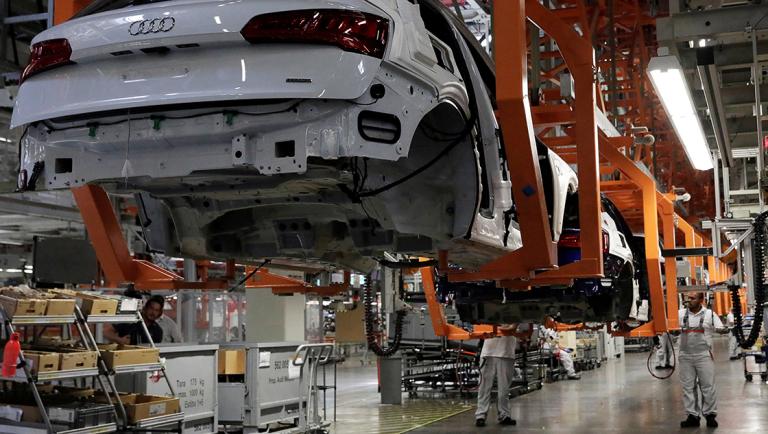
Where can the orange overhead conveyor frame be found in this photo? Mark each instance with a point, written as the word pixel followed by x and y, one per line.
pixel 609 150
pixel 442 328
pixel 288 285
pixel 538 252
pixel 652 203
pixel 719 272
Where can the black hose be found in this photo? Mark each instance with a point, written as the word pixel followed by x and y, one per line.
pixel 370 323
pixel 248 276
pixel 758 259
pixel 674 357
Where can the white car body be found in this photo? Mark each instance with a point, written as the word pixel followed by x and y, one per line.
pixel 618 244
pixel 238 150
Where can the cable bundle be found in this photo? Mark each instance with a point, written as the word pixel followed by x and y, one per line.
pixel 758 251
pixel 370 322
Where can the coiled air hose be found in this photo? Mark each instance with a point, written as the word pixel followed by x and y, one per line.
pixel 759 259
pixel 370 324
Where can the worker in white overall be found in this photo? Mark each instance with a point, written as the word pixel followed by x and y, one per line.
pixel 733 345
pixel 696 363
pixel 497 361
pixel 550 345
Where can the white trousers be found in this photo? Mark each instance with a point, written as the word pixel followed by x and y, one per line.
pixel 501 369
pixel 567 361
pixel 697 375
pixel 664 353
pixel 733 346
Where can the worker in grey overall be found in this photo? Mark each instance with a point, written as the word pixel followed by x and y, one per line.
pixel 497 361
pixel 665 353
pixel 733 345
pixel 696 363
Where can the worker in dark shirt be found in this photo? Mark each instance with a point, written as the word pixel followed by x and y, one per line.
pixel 132 333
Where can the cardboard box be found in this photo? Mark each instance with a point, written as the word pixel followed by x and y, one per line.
pixel 140 407
pixel 350 326
pixel 23 307
pixel 41 361
pixel 78 360
pixel 232 361
pixel 30 413
pixel 98 306
pixel 126 355
pixel 60 306
pixel 90 304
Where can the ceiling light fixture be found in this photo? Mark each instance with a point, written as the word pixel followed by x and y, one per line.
pixel 670 85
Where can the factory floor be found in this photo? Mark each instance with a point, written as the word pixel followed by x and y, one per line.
pixel 619 397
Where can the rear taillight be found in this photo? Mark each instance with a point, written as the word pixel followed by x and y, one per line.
pixel 349 30
pixel 570 239
pixel 573 240
pixel 47 55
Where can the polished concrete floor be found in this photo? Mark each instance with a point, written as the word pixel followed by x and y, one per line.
pixel 617 398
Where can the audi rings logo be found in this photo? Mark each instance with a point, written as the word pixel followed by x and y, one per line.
pixel 157 25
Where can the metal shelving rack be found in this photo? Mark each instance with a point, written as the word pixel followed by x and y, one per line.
pixel 33 380
pixel 101 373
pixel 143 424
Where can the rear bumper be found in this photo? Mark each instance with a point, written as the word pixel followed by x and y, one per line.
pixel 178 144
pixel 235 74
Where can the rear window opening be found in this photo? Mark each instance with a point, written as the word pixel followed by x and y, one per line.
pixel 99 6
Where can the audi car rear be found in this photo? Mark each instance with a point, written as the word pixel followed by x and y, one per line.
pixel 270 128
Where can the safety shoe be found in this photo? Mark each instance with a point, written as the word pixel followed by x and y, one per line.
pixel 480 422
pixel 507 421
pixel 659 367
pixel 735 357
pixel 711 421
pixel 669 367
pixel 574 377
pixel 691 422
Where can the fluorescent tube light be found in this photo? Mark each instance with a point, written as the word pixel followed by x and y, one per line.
pixel 668 80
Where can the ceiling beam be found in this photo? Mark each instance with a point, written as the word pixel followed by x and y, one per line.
pixel 720 23
pixel 711 85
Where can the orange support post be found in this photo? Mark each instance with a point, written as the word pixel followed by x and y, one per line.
pixel 667 211
pixel 112 251
pixel 714 270
pixel 66 9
